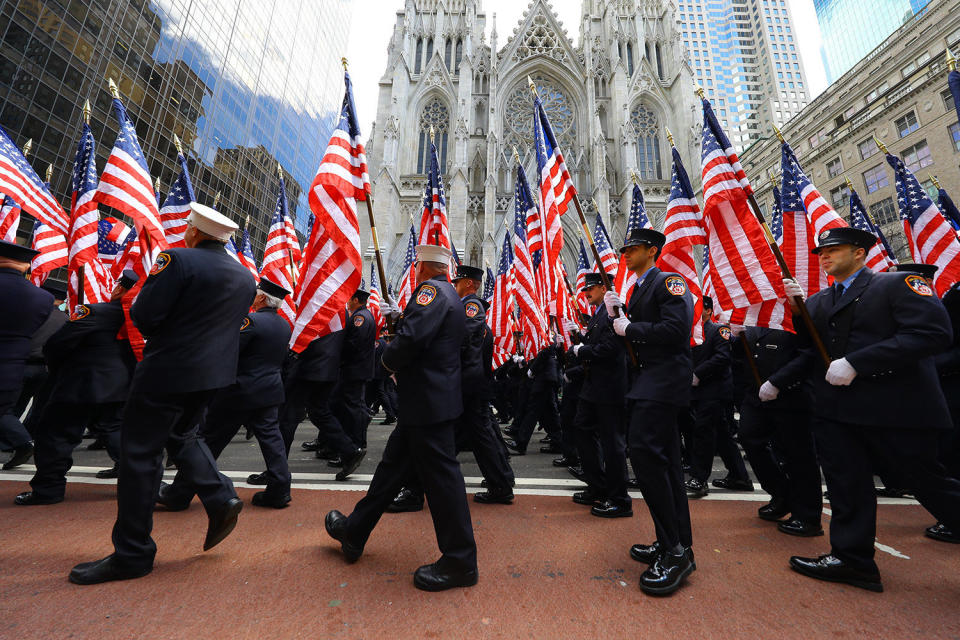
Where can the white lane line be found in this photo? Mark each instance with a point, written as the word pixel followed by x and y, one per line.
pixel 879 546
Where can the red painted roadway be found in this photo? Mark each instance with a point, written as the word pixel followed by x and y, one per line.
pixel 547 570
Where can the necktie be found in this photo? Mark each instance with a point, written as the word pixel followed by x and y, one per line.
pixel 840 289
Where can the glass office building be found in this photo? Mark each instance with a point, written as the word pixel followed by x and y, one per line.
pixel 245 84
pixel 853 28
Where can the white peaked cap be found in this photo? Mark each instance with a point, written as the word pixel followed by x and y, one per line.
pixel 211 222
pixel 433 253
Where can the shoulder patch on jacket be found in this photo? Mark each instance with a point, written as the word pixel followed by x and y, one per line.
pixel 245 324
pixel 358 320
pixel 676 285
pixel 81 311
pixel 163 261
pixel 724 332
pixel 472 309
pixel 919 285
pixel 426 294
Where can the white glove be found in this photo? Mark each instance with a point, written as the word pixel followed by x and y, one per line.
pixel 518 359
pixel 736 330
pixel 768 392
pixel 569 326
pixel 696 380
pixel 841 373
pixel 530 374
pixel 576 348
pixel 793 288
pixel 620 325
pixel 611 301
pixel 565 378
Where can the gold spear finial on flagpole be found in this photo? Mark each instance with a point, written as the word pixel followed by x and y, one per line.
pixel 27 147
pixel 849 184
pixel 633 176
pixel 343 61
pixel 113 88
pixel 670 137
pixel 880 145
pixel 216 200
pixel 177 144
pixel 699 93
pixel 951 61
pixel 86 112
pixel 431 134
pixel 595 205
pixel 779 135
pixel 533 87
pixel 516 156
pixel 156 185
pixel 246 223
pixel 279 170
pixel 936 182
pixel 773 178
pixel 49 172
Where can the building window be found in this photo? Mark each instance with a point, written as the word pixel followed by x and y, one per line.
pixel 948 102
pixel 647 129
pixel 840 197
pixel 884 212
pixel 659 61
pixel 629 59
pixel 448 54
pixel 459 56
pixel 436 114
pixel 834 168
pixel 429 51
pixel 875 178
pixel 417 61
pixel 867 148
pixel 907 124
pixel 931 189
pixel 917 156
pixel 954 131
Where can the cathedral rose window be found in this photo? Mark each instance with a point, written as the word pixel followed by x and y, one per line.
pixel 518 115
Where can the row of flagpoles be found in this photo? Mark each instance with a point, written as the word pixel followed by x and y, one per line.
pixel 532 300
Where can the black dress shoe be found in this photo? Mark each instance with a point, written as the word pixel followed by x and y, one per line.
pixel 667 573
pixel 942 532
pixel 774 510
pixel 587 497
pixel 633 483
pixel 833 569
pixel 335 462
pixel 429 577
pixel 510 432
pixel 259 479
pixel 483 483
pixel 222 522
pixel 336 525
pixel 268 499
pixel 892 492
pixel 106 570
pixel 564 461
pixel 696 488
pixel 21 455
pixel 28 498
pixel 406 501
pixel 310 445
pixel 350 464
pixel 494 496
pixel 389 420
pixel 796 527
pixel 112 472
pixel 645 553
pixel 550 448
pixel 248 435
pixel 610 509
pixel 733 484
pixel 325 453
pixel 576 472
pixel 515 448
pixel 167 500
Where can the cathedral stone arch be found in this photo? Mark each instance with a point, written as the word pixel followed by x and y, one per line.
pixel 433 110
pixel 646 127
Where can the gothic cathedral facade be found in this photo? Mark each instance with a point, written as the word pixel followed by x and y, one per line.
pixel 611 101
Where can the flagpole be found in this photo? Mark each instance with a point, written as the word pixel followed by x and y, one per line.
pixel 797 301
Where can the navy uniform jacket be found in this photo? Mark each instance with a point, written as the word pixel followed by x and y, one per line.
pixel 50 326
pixel 359 346
pixel 25 308
pixel 711 364
pixel 772 350
pixel 948 361
pixel 472 377
pixel 425 354
pixel 190 310
pixel 888 326
pixel 88 362
pixel 379 373
pixel 320 361
pixel 264 336
pixel 604 361
pixel 661 317
pixel 546 369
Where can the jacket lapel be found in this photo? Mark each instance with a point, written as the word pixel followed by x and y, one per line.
pixel 644 288
pixel 859 284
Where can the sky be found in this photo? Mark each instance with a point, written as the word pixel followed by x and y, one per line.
pixel 373 22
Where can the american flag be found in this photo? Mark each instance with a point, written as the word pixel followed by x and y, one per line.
pixel 746 278
pixel 126 186
pixel 776 217
pixel 953 81
pixel 112 237
pixel 176 208
pixel 881 256
pixel 949 209
pixel 276 255
pixel 84 228
pixel 53 252
pixel 19 181
pixel 819 212
pixel 623 283
pixel 9 218
pixel 502 303
pixel 799 234
pixel 608 257
pixel 931 238
pixel 706 278
pixel 582 268
pixel 332 265
pixel 408 280
pixel 245 254
pixel 683 228
pixel 533 315
pixel 488 285
pixel 373 302
pixel 434 228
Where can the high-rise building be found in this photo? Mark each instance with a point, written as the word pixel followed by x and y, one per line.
pixel 745 55
pixel 245 85
pixel 851 29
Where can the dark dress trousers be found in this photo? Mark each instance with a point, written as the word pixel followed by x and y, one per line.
pixel 425 356
pixel 888 326
pixel 948 368
pixel 356 369
pixel 661 316
pixel 35 374
pixel 540 404
pixel 311 380
pixel 190 311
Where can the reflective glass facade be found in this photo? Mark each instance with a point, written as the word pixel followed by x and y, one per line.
pixel 853 28
pixel 245 84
